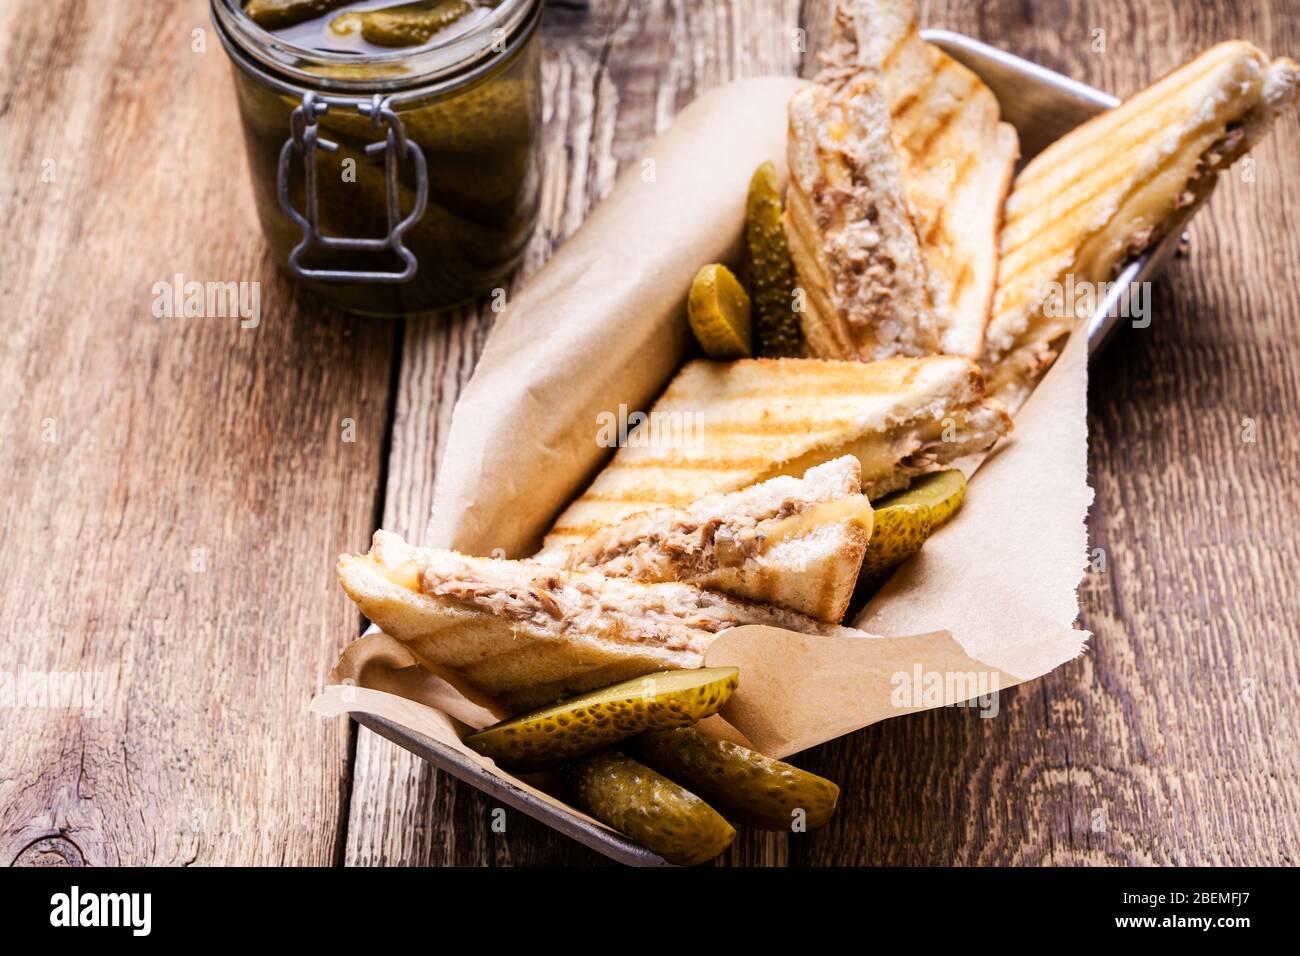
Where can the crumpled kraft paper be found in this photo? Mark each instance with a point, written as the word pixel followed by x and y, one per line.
pixel 989 602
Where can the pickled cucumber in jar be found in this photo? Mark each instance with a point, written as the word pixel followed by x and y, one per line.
pixel 479 139
pixel 366 26
pixel 408 24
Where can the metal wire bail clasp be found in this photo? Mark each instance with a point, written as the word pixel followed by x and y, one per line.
pixel 304 140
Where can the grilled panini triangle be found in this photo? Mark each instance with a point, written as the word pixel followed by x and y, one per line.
pixel 1116 186
pixel 850 232
pixel 529 634
pixel 743 422
pixel 955 154
pixel 796 543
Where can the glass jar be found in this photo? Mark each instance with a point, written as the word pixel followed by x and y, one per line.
pixel 394 183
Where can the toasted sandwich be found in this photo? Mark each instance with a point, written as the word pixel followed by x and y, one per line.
pixel 1114 187
pixel 796 543
pixel 955 154
pixel 850 232
pixel 720 427
pixel 527 633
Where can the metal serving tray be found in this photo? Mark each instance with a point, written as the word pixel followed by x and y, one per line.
pixel 1042 106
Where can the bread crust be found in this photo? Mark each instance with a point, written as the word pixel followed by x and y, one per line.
pixel 795 543
pixel 956 156
pixel 760 418
pixel 1081 209
pixel 527 634
pixel 850 229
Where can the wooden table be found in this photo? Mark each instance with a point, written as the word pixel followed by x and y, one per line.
pixel 175 491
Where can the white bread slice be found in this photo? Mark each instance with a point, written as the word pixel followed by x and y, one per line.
pixel 1116 186
pixel 955 154
pixel 796 543
pixel 739 423
pixel 528 634
pixel 850 232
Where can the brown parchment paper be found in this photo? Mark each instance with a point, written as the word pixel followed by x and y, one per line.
pixel 602 324
pixel 992 595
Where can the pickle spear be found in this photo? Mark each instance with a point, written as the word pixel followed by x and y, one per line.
pixel 771 271
pixel 655 812
pixel 597 719
pixel 277 14
pixel 718 311
pixel 746 786
pixel 407 24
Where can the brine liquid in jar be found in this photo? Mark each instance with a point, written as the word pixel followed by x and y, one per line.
pixel 459 80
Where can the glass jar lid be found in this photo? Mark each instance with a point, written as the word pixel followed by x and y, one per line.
pixel 493 32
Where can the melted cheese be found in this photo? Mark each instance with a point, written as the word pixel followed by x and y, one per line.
pixel 854 508
pixel 404 575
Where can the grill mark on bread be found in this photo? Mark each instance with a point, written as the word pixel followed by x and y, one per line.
pixel 747 463
pixel 908 104
pixel 1088 180
pixel 1098 144
pixel 782 427
pixel 1219 156
pixel 921 141
pixel 963 169
pixel 823 389
pixel 722 546
pixel 642 479
pixel 964 278
pixel 944 123
pixel 1101 142
pixel 888 59
pixel 1072 237
pixel 1056 219
pixel 904 105
pixel 1093 173
pixel 934 227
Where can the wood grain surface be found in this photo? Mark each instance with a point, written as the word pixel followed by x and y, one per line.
pixel 176 490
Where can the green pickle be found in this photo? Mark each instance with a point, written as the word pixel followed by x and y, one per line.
pixel 579 725
pixel 897 533
pixel 408 24
pixel 744 785
pixel 771 271
pixel 481 146
pixel 905 519
pixel 278 14
pixel 718 311
pixel 662 816
pixel 940 492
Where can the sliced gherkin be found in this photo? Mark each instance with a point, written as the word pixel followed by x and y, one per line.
pixel 904 519
pixel 571 728
pixel 277 14
pixel 771 271
pixel 718 310
pixel 407 24
pixel 897 533
pixel 942 492
pixel 744 785
pixel 662 816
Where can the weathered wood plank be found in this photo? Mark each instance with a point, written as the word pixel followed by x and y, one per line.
pixel 174 489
